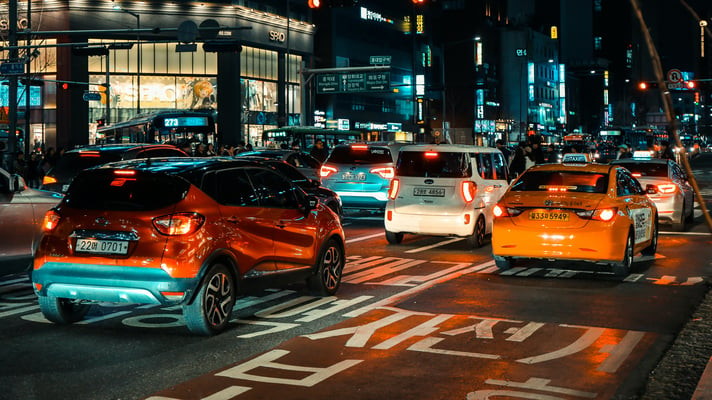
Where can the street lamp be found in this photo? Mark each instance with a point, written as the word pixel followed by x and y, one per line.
pixel 138 58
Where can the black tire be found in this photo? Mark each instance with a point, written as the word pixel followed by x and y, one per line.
pixel 691 218
pixel 477 239
pixel 211 309
pixel 330 264
pixel 62 311
pixel 622 268
pixel 393 237
pixel 653 248
pixel 682 224
pixel 503 263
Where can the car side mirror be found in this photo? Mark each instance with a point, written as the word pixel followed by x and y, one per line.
pixel 17 184
pixel 651 189
pixel 310 203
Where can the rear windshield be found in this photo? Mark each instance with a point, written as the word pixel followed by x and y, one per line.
pixel 102 189
pixel 71 163
pixel 561 181
pixel 369 155
pixel 646 169
pixel 433 164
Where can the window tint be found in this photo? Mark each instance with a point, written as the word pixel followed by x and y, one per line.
pixel 233 188
pixel 160 153
pixel 370 155
pixel 433 164
pixel 103 190
pixel 273 190
pixel 646 169
pixel 484 165
pixel 71 163
pixel 626 185
pixel 588 182
pixel 310 161
pixel 500 167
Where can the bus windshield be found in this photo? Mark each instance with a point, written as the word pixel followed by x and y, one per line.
pixel 303 137
pixel 170 126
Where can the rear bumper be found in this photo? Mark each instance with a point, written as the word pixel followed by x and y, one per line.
pixel 111 283
pixel 369 200
pixel 669 208
pixel 594 242
pixel 435 225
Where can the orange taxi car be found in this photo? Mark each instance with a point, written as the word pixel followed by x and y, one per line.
pixel 583 212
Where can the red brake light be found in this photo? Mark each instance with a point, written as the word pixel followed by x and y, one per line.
pixel 637 174
pixel 50 221
pixel 468 190
pixel 359 147
pixel 124 172
pixel 89 154
pixel 384 172
pixel 178 223
pixel 667 188
pixel 606 214
pixel 326 171
pixel 499 211
pixel 393 189
pixel 430 154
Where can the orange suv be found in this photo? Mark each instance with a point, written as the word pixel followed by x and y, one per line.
pixel 194 232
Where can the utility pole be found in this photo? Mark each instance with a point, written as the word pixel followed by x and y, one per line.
pixel 12 96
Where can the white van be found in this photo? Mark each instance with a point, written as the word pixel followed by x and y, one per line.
pixel 445 190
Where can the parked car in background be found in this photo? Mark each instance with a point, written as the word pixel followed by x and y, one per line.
pixel 21 212
pixel 307 165
pixel 327 196
pixel 445 190
pixel 670 189
pixel 68 166
pixel 361 174
pixel 193 232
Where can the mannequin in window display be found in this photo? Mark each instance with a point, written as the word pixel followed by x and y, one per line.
pixel 203 96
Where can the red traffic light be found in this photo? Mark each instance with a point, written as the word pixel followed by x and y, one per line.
pixel 642 86
pixel 418 1
pixel 65 86
pixel 314 3
pixel 690 84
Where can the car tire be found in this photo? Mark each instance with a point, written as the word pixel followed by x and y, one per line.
pixel 330 265
pixel 393 237
pixel 62 311
pixel 691 218
pixel 211 309
pixel 622 268
pixel 682 224
pixel 653 248
pixel 503 263
pixel 477 239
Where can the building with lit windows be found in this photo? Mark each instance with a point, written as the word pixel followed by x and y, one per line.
pixel 151 64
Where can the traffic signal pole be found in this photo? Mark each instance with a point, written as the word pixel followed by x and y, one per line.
pixel 667 105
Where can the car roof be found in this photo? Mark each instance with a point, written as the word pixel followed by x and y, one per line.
pixel 179 165
pixel 457 148
pixel 641 161
pixel 596 168
pixel 120 147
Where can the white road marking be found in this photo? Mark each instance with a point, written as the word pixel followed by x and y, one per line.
pixel 446 242
pixel 358 239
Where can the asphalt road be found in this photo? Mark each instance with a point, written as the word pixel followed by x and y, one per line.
pixel 428 318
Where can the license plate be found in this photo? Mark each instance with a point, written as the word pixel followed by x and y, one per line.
pixel 102 246
pixel 548 216
pixel 353 177
pixel 437 192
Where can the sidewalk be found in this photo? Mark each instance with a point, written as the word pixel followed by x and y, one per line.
pixel 704 387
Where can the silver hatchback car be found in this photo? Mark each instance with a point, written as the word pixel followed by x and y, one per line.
pixel 667 186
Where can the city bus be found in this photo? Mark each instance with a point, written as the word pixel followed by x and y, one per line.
pixel 168 126
pixel 305 136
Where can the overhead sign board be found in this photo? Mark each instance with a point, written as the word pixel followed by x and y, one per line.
pixel 380 60
pixel 12 68
pixel 353 82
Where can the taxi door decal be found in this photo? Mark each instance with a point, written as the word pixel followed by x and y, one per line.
pixel 642 224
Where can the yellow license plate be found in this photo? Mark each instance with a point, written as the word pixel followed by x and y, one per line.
pixel 548 216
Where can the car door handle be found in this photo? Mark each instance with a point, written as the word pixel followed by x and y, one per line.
pixel 234 220
pixel 282 223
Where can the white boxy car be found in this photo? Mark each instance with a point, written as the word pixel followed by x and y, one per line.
pixel 445 190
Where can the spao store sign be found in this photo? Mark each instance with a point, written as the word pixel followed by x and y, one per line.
pixel 279 37
pixel 21 24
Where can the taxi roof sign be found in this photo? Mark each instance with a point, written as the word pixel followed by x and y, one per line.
pixel 642 155
pixel 576 158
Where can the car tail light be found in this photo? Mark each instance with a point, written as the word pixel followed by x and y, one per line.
pixel 667 188
pixel 430 154
pixel 359 147
pixel 125 172
pixel 468 189
pixel 600 214
pixel 50 221
pixel 384 172
pixel 46 180
pixel 393 189
pixel 502 211
pixel 178 223
pixel 90 153
pixel 326 171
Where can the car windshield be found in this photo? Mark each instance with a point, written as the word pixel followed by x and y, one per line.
pixel 360 155
pixel 102 189
pixel 647 169
pixel 433 164
pixel 561 181
pixel 71 163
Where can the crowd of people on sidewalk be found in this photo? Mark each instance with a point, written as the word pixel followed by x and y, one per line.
pixel 34 168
